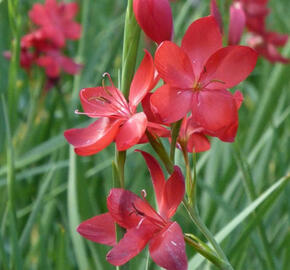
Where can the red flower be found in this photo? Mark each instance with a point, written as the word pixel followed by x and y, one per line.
pixel 118 119
pixel 196 76
pixel 266 45
pixel 53 61
pixel 56 21
pixel 191 137
pixel 143 224
pixel 155 18
pixel 256 12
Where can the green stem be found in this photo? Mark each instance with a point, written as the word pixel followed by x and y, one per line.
pixel 63 106
pixel 188 179
pixel 130 48
pixel 207 253
pixel 120 162
pixel 174 135
pixel 16 257
pixel 160 151
pixel 192 211
pixel 15 22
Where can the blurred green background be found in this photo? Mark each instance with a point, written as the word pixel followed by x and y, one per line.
pixel 52 190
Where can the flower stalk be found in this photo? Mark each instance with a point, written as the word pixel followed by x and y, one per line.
pixel 192 211
pixel 130 48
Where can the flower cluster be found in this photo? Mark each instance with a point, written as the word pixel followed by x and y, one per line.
pixel 143 224
pixel 194 96
pixel 44 44
pixel 252 14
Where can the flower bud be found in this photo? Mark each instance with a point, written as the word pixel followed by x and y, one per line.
pixel 155 18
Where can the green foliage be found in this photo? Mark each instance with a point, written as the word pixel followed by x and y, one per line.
pixel 46 191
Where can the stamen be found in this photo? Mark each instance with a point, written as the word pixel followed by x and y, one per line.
pixel 212 81
pixel 140 223
pixel 109 77
pixel 105 88
pixel 137 211
pixel 143 193
pixel 84 113
pixel 102 99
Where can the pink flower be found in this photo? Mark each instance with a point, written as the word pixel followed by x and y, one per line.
pixel 56 21
pixel 143 224
pixel 196 76
pixel 118 120
pixel 155 18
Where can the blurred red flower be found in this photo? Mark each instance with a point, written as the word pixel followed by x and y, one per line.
pixel 196 76
pixel 56 20
pixel 143 224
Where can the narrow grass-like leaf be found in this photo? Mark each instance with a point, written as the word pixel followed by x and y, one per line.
pixel 36 207
pixel 226 231
pixel 16 258
pixel 73 213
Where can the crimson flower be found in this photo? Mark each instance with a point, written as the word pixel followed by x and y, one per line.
pixel 256 12
pixel 56 21
pixel 53 61
pixel 266 45
pixel 196 76
pixel 143 224
pixel 118 120
pixel 191 137
pixel 155 18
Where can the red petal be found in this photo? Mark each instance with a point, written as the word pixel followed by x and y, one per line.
pixel 131 131
pixel 197 143
pixel 239 98
pixel 157 175
pixel 156 130
pixel 131 244
pixel 69 66
pixel 72 30
pixel 121 205
pixel 155 18
pixel 201 40
pixel 98 102
pixel 217 113
pixel 237 23
pixel 173 193
pixel 277 39
pixel 142 81
pixel 271 53
pixel 70 10
pixel 170 103
pixel 174 66
pixel 94 138
pixel 51 66
pixel 230 66
pixel 167 248
pixel 38 14
pixel 99 229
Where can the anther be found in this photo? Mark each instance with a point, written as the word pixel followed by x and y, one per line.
pixel 143 193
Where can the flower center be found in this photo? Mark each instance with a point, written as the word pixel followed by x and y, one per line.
pixel 148 213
